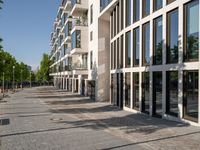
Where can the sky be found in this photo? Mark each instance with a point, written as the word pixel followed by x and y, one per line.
pixel 25 27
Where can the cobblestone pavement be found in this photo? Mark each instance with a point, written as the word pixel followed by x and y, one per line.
pixel 49 119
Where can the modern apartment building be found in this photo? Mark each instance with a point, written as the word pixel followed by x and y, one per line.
pixel 142 55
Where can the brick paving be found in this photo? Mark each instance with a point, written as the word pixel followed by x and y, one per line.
pixel 45 118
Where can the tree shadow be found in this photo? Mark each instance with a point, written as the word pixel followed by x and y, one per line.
pixel 70 102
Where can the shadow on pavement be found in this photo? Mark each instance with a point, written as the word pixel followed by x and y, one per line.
pixel 40 131
pixel 69 102
pixel 153 140
pixel 55 96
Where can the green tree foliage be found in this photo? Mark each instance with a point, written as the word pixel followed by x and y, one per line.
pixel 43 73
pixel 1 2
pixel 7 62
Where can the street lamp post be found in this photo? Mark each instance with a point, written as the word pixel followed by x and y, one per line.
pixel 3 78
pixel 21 80
pixel 30 80
pixel 13 78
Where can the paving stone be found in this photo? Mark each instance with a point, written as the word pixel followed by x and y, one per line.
pixel 48 119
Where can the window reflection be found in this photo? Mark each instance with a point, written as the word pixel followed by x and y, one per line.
pixel 192 31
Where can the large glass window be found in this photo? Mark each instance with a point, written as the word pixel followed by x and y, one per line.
pixel 128 12
pixel 76 39
pixel 91 60
pixel 127 90
pixel 146 44
pixel 118 54
pixel 191 88
pixel 136 10
pixel 111 56
pixel 172 93
pixel 114 55
pixel 145 92
pixel 157 94
pixel 121 52
pixel 91 14
pixel 136 90
pixel 68 28
pixel 158 41
pixel 136 46
pixel 111 22
pixel 122 14
pixel 157 4
pixel 128 49
pixel 191 31
pixel 145 8
pixel 172 36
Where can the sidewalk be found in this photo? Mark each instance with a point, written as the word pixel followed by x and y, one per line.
pixel 155 133
pixel 45 118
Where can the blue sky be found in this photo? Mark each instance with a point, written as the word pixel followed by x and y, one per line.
pixel 25 26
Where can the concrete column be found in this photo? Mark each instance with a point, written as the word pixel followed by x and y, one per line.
pixel 73 81
pixel 180 71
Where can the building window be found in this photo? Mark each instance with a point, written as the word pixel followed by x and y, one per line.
pixel 136 10
pixel 76 39
pixel 127 90
pixel 114 55
pixel 128 12
pixel 136 90
pixel 114 21
pixel 158 42
pixel 145 92
pixel 172 93
pixel 157 4
pixel 111 22
pixel 122 14
pixel 191 31
pixel 157 94
pixel 111 56
pixel 91 35
pixel 170 1
pixel 121 60
pixel 128 50
pixel 118 55
pixel 91 14
pixel 190 99
pixel 117 8
pixel 146 44
pixel 172 36
pixel 136 46
pixel 91 60
pixel 145 8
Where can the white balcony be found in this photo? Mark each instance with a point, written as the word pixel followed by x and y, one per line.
pixel 68 5
pixel 79 7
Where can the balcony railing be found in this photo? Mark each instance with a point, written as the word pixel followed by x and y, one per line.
pixel 80 22
pixel 104 3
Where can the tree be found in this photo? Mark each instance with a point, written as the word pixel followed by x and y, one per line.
pixel 1 2
pixel 43 73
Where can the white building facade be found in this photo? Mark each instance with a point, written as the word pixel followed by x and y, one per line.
pixel 142 56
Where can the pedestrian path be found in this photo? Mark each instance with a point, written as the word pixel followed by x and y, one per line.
pixel 45 118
